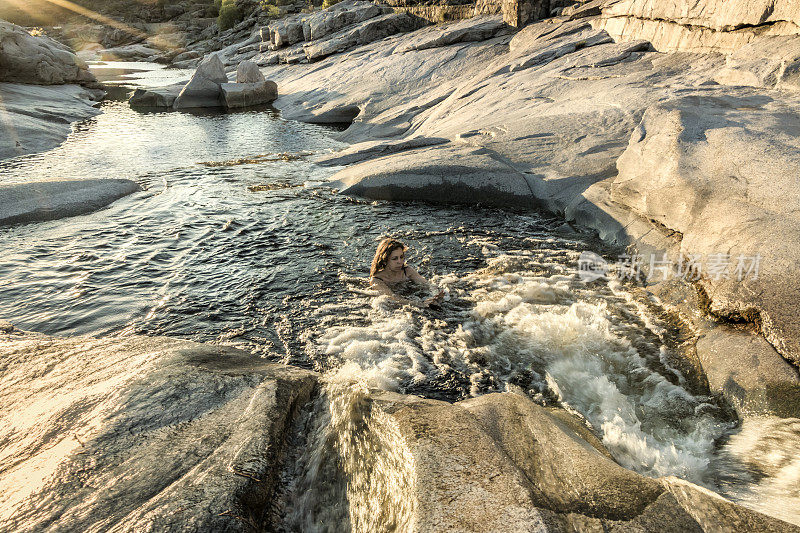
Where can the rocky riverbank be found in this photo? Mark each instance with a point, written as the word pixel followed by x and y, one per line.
pixel 144 434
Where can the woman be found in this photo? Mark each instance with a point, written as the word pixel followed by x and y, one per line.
pixel 389 269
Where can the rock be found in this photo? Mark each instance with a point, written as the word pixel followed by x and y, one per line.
pixel 37 118
pixel 708 26
pixel 365 32
pixel 771 62
pixel 38 60
pixel 441 174
pixel 48 200
pixel 372 149
pixel 338 16
pixel 156 96
pixel 147 434
pixel 749 373
pixel 470 30
pixel 6 326
pixel 203 89
pixel 235 95
pixel 734 172
pixel 499 462
pixel 189 54
pixel 248 72
pixel 131 52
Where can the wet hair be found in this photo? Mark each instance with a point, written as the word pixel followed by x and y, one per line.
pixel 381 259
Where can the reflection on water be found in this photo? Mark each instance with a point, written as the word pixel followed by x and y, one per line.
pixel 233 240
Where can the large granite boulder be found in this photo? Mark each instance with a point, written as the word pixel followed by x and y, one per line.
pixel 49 200
pixel 499 462
pixel 248 72
pixel 159 97
pixel 203 89
pixel 140 434
pixel 235 95
pixel 38 60
pixel 720 169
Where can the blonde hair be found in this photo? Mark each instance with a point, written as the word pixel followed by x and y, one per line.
pixel 382 254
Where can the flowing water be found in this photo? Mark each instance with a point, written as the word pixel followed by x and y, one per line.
pixel 235 239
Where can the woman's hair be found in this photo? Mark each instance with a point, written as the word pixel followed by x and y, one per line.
pixel 385 249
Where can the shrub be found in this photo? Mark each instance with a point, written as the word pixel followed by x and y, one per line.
pixel 328 3
pixel 228 16
pixel 271 11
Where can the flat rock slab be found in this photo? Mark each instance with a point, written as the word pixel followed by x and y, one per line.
pixel 140 433
pixel 37 118
pixel 440 174
pixel 48 200
pixel 371 149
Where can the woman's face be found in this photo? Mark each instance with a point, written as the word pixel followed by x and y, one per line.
pixel 397 258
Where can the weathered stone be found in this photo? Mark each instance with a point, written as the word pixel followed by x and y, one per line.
pixel 38 60
pixel 203 89
pixel 772 62
pixel 142 434
pixel 248 72
pixel 155 96
pixel 365 32
pixel 48 200
pixel 38 118
pixel 236 95
pixel 372 149
pixel 470 30
pixel 438 174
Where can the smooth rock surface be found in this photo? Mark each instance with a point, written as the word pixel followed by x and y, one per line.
pixel 38 118
pixel 203 89
pixel 440 175
pixel 499 462
pixel 363 33
pixel 235 95
pixel 38 60
pixel 140 434
pixel 48 200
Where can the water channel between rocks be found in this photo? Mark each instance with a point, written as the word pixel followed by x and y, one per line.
pixel 234 240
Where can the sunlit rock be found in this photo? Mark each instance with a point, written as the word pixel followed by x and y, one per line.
pixel 38 60
pixel 141 434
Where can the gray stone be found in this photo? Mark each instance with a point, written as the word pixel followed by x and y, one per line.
pixel 203 89
pixel 469 30
pixel 365 32
pixel 48 200
pixel 372 149
pixel 155 96
pixel 236 95
pixel 247 72
pixel 440 174
pixel 131 52
pixel 37 118
pixel 142 434
pixel 38 60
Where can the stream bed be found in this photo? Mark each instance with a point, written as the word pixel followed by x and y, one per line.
pixel 235 239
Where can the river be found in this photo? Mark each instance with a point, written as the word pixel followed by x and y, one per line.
pixel 235 239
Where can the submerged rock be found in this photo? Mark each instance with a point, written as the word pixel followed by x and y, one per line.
pixel 38 60
pixel 141 434
pixel 48 200
pixel 156 96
